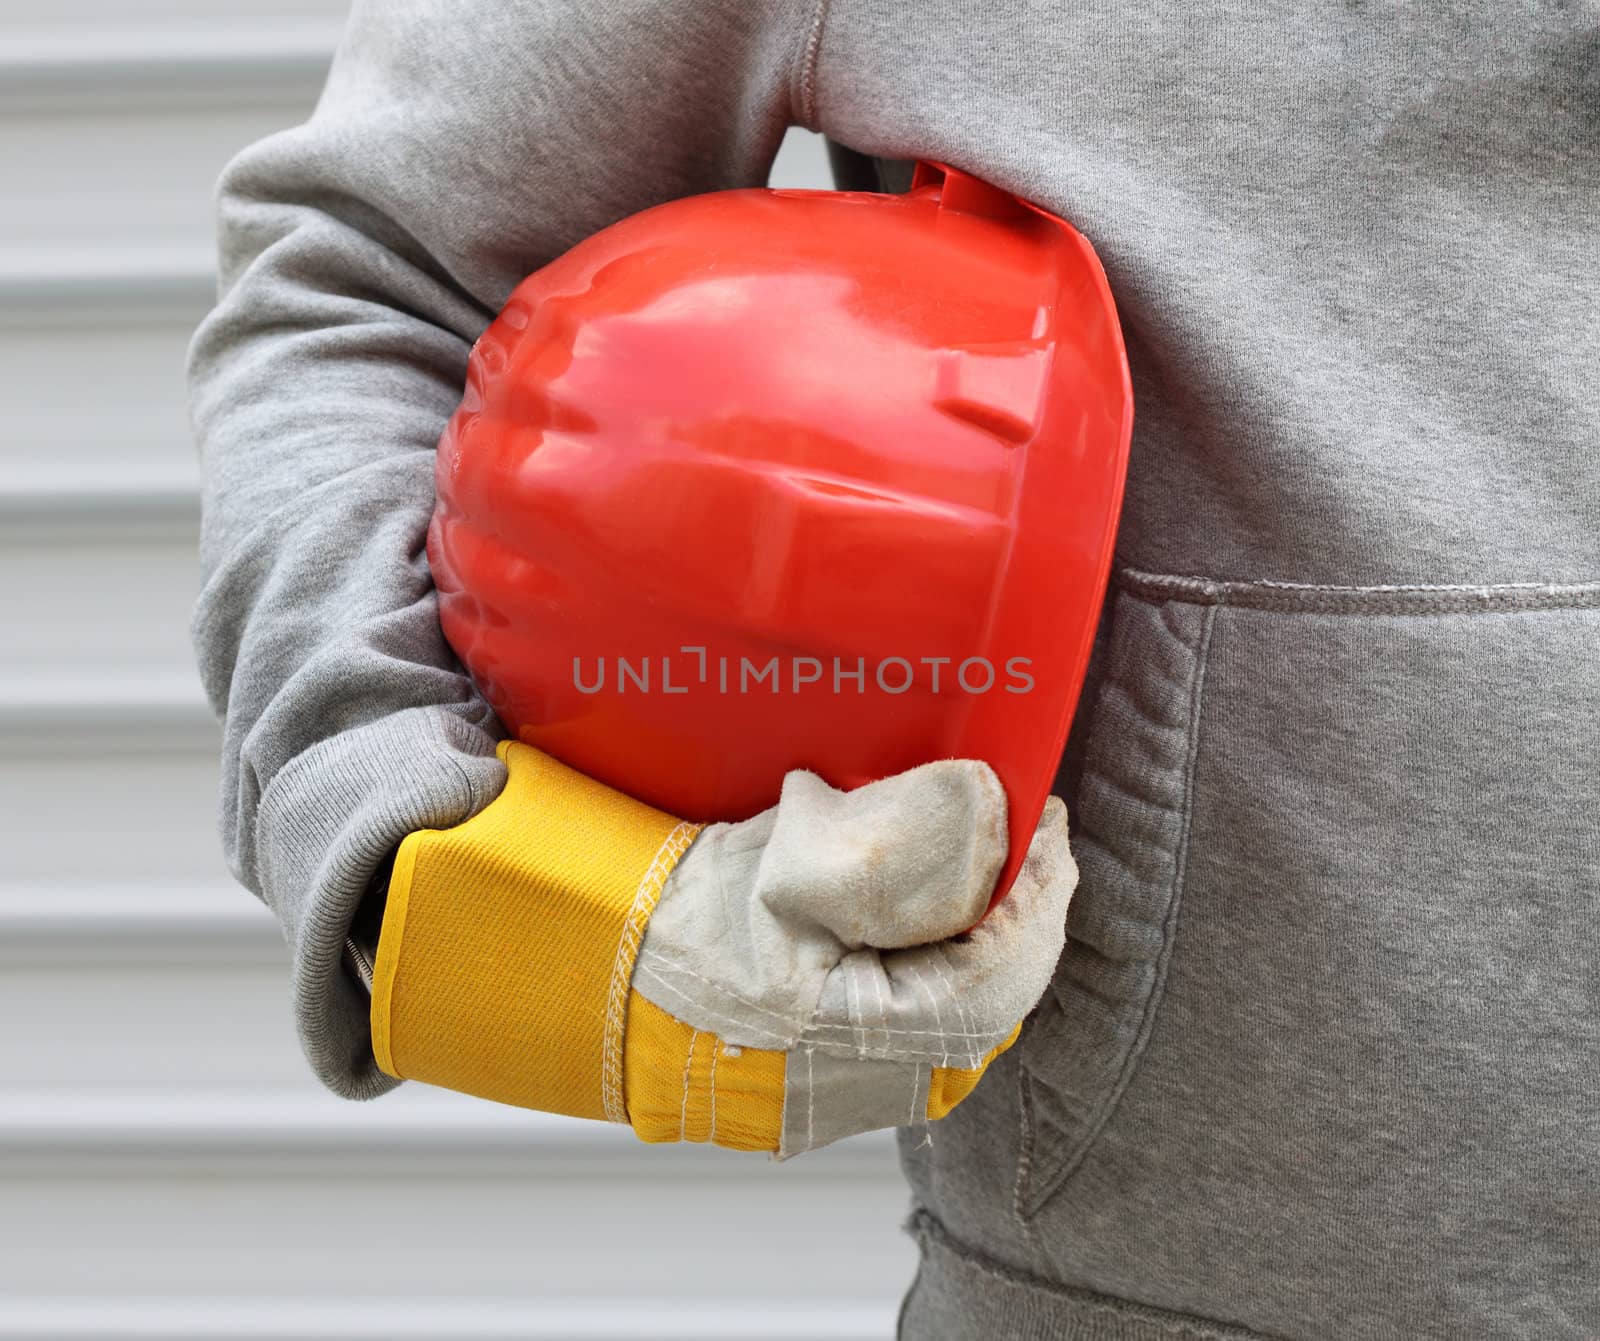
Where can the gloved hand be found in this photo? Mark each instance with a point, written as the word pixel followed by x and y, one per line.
pixel 769 985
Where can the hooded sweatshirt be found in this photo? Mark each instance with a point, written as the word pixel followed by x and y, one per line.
pixel 1322 1055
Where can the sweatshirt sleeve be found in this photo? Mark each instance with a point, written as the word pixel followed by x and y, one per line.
pixel 458 145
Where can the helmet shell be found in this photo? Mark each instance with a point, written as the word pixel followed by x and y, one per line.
pixel 773 479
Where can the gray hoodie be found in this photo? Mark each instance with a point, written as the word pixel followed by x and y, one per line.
pixel 1321 1056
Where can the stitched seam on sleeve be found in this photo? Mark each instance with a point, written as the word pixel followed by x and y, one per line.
pixel 808 65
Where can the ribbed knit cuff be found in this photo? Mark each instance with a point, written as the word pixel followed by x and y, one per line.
pixel 326 823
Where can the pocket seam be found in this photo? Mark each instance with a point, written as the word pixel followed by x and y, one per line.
pixel 1392 599
pixel 1028 1198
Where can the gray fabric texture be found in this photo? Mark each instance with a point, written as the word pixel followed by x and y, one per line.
pixel 1320 1057
pixel 959 1295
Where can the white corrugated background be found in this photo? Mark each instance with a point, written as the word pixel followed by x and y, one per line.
pixel 167 1168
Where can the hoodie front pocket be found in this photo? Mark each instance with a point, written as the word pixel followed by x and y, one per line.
pixel 1321 1055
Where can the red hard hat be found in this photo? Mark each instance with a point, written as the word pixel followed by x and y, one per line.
pixel 765 479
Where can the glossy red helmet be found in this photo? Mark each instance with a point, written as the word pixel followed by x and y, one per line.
pixel 766 479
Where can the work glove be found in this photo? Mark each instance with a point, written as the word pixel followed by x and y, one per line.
pixel 822 969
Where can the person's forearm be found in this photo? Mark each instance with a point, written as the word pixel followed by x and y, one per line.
pixel 457 147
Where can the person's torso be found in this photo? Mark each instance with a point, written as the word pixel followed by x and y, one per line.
pixel 1322 1055
pixel 1354 247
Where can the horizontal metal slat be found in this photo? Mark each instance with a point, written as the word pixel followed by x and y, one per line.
pixel 127 918
pixel 140 67
pixel 98 439
pixel 96 614
pixel 119 281
pixel 281 1317
pixel 99 510
pixel 579 1234
pixel 133 804
pixel 90 175
pixel 122 710
pixel 197 1128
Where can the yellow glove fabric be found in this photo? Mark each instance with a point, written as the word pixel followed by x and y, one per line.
pixel 508 941
pixel 506 957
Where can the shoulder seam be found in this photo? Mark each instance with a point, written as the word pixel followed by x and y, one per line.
pixel 807 85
